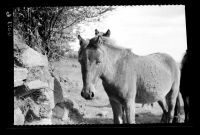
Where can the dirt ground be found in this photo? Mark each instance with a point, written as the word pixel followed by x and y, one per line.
pixel 97 111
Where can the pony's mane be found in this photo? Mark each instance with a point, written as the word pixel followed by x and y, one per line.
pixel 108 42
pixel 111 43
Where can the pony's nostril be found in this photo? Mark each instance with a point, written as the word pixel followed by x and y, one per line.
pixel 92 94
pixel 81 93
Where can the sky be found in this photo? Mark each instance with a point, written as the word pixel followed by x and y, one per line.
pixel 144 29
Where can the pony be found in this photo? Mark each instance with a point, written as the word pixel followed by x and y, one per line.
pixel 128 78
pixel 185 93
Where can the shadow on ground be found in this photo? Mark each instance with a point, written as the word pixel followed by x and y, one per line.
pixel 100 106
pixel 98 121
pixel 147 117
pixel 141 118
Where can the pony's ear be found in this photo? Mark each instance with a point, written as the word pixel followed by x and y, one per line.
pixel 96 32
pixel 99 40
pixel 107 34
pixel 79 37
pixel 82 42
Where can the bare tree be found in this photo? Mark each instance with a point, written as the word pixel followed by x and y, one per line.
pixel 40 26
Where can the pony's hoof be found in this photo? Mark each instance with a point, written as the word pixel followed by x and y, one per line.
pixel 179 119
pixel 163 119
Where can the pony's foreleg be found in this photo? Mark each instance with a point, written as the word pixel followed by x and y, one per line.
pixel 130 111
pixel 117 111
pixel 124 115
pixel 129 104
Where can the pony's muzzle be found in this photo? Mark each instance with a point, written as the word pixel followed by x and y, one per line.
pixel 88 92
pixel 87 95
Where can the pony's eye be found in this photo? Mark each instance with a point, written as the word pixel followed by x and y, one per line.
pixel 98 62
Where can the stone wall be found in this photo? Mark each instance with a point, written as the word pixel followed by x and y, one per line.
pixel 36 90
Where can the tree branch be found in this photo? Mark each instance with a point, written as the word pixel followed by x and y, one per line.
pixel 56 17
pixel 53 21
pixel 75 21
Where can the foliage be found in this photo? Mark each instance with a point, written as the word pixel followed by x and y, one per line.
pixel 72 54
pixel 43 28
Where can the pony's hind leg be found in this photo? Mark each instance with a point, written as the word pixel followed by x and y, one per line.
pixel 179 115
pixel 163 105
pixel 171 102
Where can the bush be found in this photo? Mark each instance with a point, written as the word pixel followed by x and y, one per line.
pixel 55 53
pixel 72 54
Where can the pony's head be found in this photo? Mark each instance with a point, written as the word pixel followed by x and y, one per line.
pixel 91 60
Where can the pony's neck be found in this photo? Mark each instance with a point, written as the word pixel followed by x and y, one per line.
pixel 112 55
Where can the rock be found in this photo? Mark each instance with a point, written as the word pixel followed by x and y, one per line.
pixel 37 84
pixel 66 115
pixel 31 58
pixel 58 92
pixel 18 41
pixel 35 73
pixel 18 83
pixel 39 73
pixel 20 91
pixel 49 95
pixel 60 111
pixel 57 95
pixel 19 75
pixel 46 121
pixel 102 114
pixel 45 110
pixel 46 75
pixel 31 109
pixel 18 117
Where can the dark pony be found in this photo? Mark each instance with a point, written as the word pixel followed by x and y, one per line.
pixel 184 89
pixel 129 78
